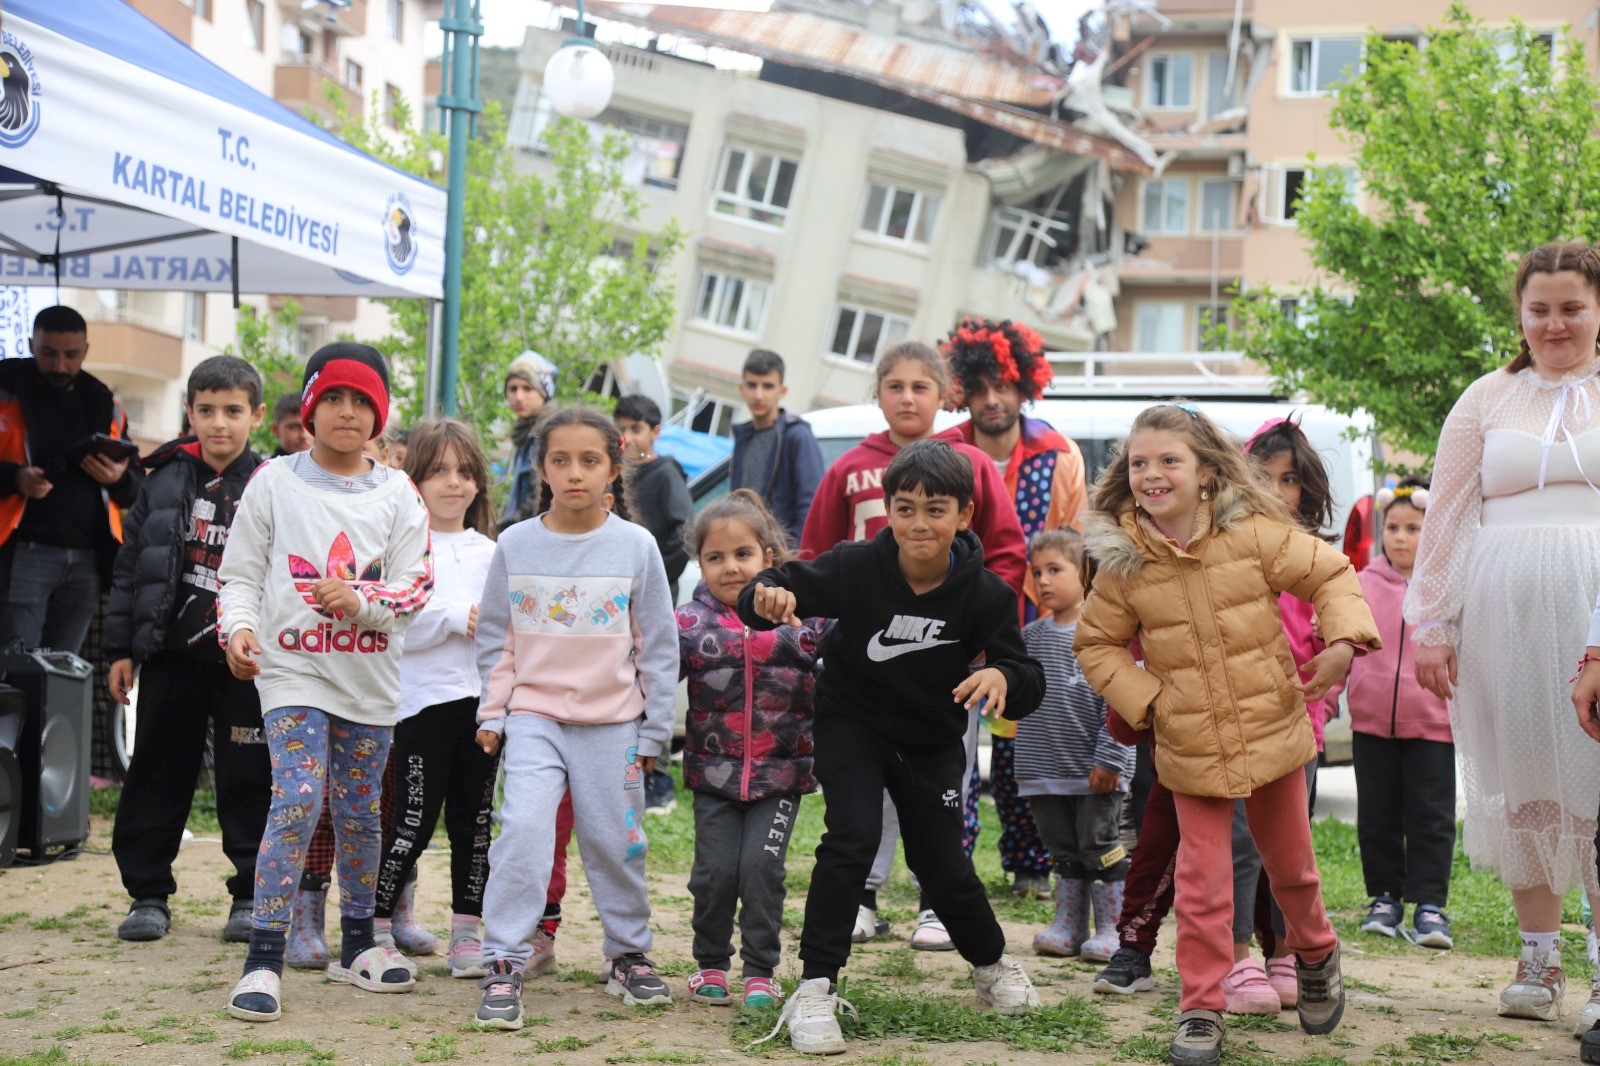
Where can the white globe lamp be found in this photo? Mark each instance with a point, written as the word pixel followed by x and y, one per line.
pixel 578 80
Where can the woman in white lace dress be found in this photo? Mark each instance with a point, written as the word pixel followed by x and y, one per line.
pixel 1506 578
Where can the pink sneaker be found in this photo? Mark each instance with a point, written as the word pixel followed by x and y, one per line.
pixel 543 958
pixel 1281 976
pixel 1248 990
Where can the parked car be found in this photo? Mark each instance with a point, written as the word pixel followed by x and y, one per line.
pixel 1348 444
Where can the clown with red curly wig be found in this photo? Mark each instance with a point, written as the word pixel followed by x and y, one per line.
pixel 996 368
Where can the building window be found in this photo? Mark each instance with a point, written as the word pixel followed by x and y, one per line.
pixel 859 333
pixel 900 214
pixel 393 106
pixel 658 146
pixel 202 9
pixel 1171 82
pixel 1217 197
pixel 396 19
pixel 731 302
pixel 756 185
pixel 1206 318
pixel 352 74
pixel 1318 64
pixel 255 25
pixel 1166 206
pixel 1158 326
pixel 1219 88
pixel 296 43
pixel 194 316
pixel 1506 48
pixel 1041 232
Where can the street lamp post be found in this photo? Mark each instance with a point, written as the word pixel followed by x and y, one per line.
pixel 578 79
pixel 458 106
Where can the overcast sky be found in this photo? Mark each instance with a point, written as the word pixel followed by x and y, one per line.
pixel 504 20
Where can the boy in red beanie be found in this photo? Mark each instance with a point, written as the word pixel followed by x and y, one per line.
pixel 328 561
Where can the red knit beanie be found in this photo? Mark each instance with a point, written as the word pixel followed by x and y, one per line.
pixel 347 365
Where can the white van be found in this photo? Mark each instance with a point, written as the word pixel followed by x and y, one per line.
pixel 1097 425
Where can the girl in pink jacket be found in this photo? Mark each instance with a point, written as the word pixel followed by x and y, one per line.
pixel 1405 758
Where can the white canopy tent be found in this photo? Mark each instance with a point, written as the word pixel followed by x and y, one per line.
pixel 128 161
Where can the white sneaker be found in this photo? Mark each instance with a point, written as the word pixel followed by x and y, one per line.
pixel 930 934
pixel 1590 1014
pixel 868 925
pixel 1005 986
pixel 809 1013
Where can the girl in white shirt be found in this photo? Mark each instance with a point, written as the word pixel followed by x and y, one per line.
pixel 435 761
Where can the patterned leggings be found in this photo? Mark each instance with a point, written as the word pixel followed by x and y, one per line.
pixel 1021 849
pixel 311 749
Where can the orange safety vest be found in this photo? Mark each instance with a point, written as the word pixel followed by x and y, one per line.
pixel 14 449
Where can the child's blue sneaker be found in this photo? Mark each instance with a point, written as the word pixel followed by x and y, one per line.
pixel 1383 916
pixel 1430 928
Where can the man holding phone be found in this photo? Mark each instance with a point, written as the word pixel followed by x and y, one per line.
pixel 66 468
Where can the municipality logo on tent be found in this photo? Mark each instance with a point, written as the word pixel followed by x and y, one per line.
pixel 400 233
pixel 19 92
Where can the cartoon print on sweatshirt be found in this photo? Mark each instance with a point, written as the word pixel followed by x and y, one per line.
pixel 584 606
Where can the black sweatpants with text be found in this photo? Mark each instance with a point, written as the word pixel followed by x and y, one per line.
pixel 179 694
pixel 437 764
pixel 854 766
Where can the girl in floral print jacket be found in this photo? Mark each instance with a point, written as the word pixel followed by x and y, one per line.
pixel 747 748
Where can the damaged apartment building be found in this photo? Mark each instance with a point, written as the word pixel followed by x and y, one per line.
pixel 852 172
pixel 850 175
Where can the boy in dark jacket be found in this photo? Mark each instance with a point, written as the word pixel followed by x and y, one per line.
pixel 163 616
pixel 774 453
pixel 913 607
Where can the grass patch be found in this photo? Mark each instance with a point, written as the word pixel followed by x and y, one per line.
pixel 1449 1047
pixel 55 1056
pixel 564 1043
pixel 247 1048
pixel 685 1058
pixel 202 813
pixel 440 1049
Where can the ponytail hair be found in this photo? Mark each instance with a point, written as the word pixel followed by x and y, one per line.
pixel 555 418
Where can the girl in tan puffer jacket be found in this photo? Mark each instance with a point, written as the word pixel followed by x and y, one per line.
pixel 1193 553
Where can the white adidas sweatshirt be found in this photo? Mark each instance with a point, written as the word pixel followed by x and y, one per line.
pixel 440 664
pixel 286 537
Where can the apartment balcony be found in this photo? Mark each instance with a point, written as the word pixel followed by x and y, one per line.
pixel 174 16
pixel 121 343
pixel 302 84
pixel 345 21
pixel 332 308
pixel 1194 16
pixel 1180 260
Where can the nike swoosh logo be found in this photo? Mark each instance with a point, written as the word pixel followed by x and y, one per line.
pixel 878 653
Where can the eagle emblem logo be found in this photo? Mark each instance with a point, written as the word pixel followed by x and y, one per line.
pixel 19 92
pixel 399 233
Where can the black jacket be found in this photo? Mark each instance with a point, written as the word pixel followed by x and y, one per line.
pixel 20 383
pixel 144 581
pixel 658 498
pixel 895 656
pixel 790 483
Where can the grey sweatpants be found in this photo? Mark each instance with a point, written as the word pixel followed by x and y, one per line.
pixel 542 759
pixel 739 852
pixel 1083 835
pixel 883 861
pixel 1247 873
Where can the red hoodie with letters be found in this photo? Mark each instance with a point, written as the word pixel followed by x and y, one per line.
pixel 849 505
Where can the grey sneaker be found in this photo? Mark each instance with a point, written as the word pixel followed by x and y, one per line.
pixel 634 980
pixel 1383 916
pixel 1430 928
pixel 1590 1014
pixel 1005 986
pixel 1537 991
pixel 1321 994
pixel 1129 972
pixel 810 1016
pixel 149 919
pixel 501 1006
pixel 1199 1039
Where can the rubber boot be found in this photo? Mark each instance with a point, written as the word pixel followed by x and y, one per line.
pixel 1106 897
pixel 409 936
pixel 1067 932
pixel 307 948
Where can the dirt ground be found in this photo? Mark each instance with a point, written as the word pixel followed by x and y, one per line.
pixel 70 991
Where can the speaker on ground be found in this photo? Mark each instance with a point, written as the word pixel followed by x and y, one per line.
pixel 53 748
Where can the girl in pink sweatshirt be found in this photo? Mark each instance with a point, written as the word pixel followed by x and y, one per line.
pixel 1405 757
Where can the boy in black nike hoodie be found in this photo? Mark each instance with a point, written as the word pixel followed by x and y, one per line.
pixel 914 607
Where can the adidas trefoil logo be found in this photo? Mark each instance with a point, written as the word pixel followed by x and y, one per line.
pixel 341 564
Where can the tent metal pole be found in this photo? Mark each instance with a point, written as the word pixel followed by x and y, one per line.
pixel 430 364
pixel 459 100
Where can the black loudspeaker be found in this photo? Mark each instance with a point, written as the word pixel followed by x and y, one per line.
pixel 13 715
pixel 53 749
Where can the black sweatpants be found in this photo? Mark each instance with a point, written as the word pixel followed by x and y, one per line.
pixel 1083 834
pixel 855 766
pixel 1405 816
pixel 438 765
pixel 178 694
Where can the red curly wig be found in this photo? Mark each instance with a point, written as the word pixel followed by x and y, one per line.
pixel 981 349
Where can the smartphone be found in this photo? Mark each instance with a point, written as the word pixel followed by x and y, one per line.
pixel 112 448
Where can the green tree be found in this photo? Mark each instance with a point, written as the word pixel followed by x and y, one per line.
pixel 555 263
pixel 1470 152
pixel 256 341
